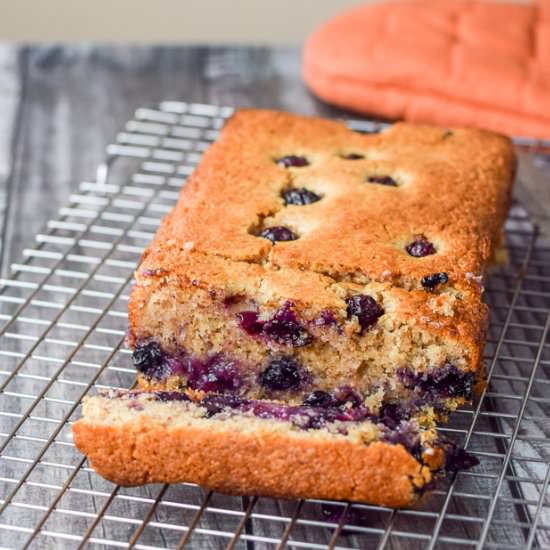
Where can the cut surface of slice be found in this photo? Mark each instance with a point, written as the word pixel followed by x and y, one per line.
pixel 215 335
pixel 265 448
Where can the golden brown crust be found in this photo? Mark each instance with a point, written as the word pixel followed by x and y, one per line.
pixel 261 463
pixel 455 191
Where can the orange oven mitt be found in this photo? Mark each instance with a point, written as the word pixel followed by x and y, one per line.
pixel 448 62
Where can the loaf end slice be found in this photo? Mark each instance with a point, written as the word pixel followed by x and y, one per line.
pixel 133 438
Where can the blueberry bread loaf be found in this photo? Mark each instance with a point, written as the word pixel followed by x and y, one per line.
pixel 241 446
pixel 308 311
pixel 304 257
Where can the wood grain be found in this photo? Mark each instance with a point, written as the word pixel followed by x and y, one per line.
pixel 10 100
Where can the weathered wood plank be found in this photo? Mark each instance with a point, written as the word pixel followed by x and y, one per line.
pixel 10 96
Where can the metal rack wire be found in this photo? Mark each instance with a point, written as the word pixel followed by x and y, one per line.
pixel 63 315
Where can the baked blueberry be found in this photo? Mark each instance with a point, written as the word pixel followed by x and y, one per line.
pixel 450 381
pixel 382 180
pixel 319 398
pixel 233 299
pixel 292 161
pixel 278 233
pixel 299 197
pixel 431 281
pixel 284 328
pixel 282 373
pixel 420 246
pixel 353 156
pixel 447 381
pixel 147 357
pixel 365 308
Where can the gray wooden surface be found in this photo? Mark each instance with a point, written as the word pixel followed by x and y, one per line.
pixel 60 107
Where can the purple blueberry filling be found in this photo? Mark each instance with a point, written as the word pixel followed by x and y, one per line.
pixel 382 180
pixel 282 373
pixel 340 404
pixel 292 161
pixel 391 414
pixel 327 409
pixel 283 327
pixel 340 397
pixel 217 403
pixel 447 381
pixel 405 433
pixel 432 281
pixel 326 318
pixel 171 396
pixel 250 323
pixel 306 417
pixel 278 233
pixel 420 247
pixel 216 374
pixel 408 435
pixel 299 197
pixel 365 308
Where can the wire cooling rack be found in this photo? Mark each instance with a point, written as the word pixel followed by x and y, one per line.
pixel 63 315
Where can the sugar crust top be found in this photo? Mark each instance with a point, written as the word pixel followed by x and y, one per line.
pixel 454 188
